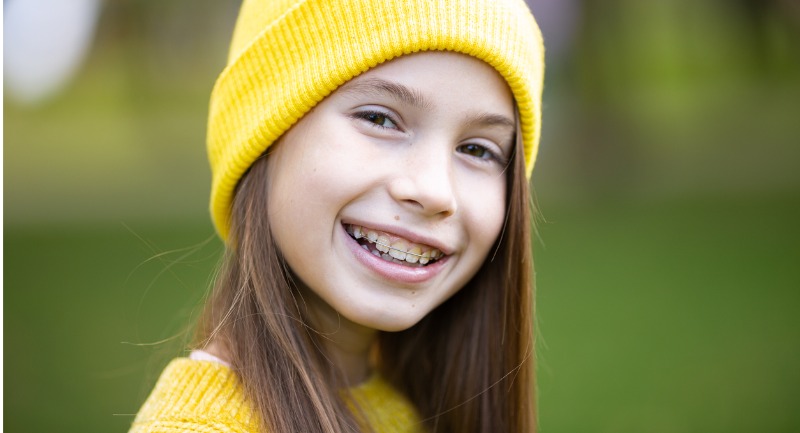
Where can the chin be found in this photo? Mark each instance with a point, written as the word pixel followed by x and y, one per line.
pixel 393 321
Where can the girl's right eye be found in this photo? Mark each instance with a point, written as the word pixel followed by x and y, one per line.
pixel 376 119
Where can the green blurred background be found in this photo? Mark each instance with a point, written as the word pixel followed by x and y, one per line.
pixel 668 258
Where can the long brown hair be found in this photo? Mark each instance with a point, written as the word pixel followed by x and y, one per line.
pixel 467 366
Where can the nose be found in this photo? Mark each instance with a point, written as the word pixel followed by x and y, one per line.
pixel 425 183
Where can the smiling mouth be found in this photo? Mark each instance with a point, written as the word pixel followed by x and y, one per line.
pixel 392 248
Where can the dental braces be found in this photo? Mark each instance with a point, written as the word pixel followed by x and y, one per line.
pixel 430 258
pixel 399 251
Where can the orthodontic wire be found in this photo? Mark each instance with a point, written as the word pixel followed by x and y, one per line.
pixel 399 251
pixel 392 248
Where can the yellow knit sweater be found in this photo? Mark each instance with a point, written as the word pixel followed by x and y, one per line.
pixel 199 396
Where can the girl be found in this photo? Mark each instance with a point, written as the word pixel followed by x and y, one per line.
pixel 370 164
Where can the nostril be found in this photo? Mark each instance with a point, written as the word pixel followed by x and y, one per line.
pixel 433 197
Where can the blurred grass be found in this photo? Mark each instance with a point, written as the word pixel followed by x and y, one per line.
pixel 673 317
pixel 84 307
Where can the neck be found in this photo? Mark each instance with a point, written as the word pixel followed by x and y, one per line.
pixel 347 344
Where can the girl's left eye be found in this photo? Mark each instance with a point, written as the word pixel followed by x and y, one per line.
pixel 477 151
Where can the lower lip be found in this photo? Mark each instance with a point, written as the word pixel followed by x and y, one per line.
pixel 390 270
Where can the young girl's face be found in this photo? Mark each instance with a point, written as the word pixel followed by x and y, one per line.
pixel 387 197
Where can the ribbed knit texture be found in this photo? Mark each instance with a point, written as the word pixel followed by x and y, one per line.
pixel 200 396
pixel 286 56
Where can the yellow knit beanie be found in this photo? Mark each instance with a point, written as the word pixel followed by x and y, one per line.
pixel 287 55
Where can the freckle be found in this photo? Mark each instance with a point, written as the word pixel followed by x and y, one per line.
pixel 414 293
pixel 397 217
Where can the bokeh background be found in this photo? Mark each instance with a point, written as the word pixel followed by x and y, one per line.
pixel 668 182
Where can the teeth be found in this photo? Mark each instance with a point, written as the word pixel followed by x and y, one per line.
pixel 398 250
pixel 413 255
pixel 401 251
pixel 382 244
pixel 426 257
pixel 372 236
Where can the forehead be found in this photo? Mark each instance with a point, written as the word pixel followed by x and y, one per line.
pixel 432 78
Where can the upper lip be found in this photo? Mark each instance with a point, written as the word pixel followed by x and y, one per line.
pixel 406 234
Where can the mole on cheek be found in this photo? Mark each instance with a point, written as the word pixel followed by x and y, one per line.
pixel 397 217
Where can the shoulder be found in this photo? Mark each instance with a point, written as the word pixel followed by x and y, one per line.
pixel 194 395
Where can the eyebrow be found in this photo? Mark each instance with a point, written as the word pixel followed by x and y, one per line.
pixel 377 86
pixel 491 119
pixel 380 87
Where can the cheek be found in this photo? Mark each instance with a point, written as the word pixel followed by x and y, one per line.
pixel 332 162
pixel 492 222
pixel 308 183
pixel 302 166
pixel 295 223
pixel 485 212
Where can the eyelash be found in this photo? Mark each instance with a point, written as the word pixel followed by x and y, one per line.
pixel 490 155
pixel 365 116
pixel 368 117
